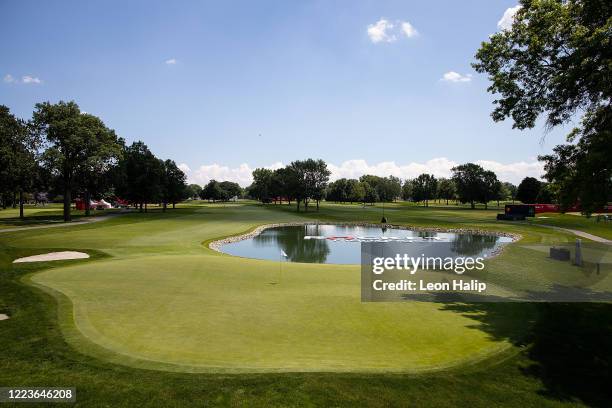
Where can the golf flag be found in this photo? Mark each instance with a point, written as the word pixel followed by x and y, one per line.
pixel 284 254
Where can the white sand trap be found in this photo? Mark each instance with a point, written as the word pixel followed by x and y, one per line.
pixel 3 316
pixel 53 256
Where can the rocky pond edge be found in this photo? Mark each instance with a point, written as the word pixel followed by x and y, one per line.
pixel 217 244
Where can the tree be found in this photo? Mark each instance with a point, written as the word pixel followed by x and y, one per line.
pixel 338 190
pixel 424 188
pixel 491 188
pixel 581 172
pixel 407 190
pixel 307 180
pixel 315 178
pixel 213 191
pixel 18 162
pixel 81 149
pixel 371 196
pixel 102 150
pixel 358 192
pixel 139 174
pixel 528 190
pixel 174 188
pixel 469 182
pixel 510 190
pixel 193 191
pixel 393 187
pixel 61 124
pixel 446 189
pixel 230 189
pixel 547 194
pixel 387 188
pixel 555 62
pixel 284 184
pixel 262 184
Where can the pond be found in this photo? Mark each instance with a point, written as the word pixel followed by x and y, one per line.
pixel 340 244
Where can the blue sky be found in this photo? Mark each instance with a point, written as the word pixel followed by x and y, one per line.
pixel 224 87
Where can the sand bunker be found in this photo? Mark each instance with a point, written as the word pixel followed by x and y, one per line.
pixel 3 316
pixel 53 256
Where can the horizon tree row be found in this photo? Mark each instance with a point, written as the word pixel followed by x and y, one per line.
pixel 62 149
pixel 301 181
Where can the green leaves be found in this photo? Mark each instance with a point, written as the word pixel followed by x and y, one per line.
pixel 556 62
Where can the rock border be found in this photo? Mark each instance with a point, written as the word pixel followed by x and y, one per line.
pixel 216 245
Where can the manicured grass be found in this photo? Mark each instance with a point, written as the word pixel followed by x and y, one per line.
pixel 602 229
pixel 152 291
pixel 42 215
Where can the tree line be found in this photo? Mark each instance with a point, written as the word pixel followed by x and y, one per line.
pixel 64 150
pixel 215 191
pixel 308 180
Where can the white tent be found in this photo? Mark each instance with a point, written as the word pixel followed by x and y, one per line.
pixel 104 204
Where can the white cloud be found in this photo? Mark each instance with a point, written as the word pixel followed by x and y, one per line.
pixel 184 167
pixel 385 31
pixel 408 30
pixel 513 172
pixel 439 167
pixel 381 31
pixel 505 23
pixel 171 61
pixel 452 76
pixel 27 79
pixel 241 174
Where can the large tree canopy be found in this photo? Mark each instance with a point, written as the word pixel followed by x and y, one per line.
pixel 474 184
pixel 79 147
pixel 555 62
pixel 18 164
pixel 424 188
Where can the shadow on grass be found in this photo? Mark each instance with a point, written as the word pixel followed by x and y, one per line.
pixel 569 345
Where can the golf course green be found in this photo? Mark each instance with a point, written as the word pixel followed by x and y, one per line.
pixel 153 296
pixel 164 300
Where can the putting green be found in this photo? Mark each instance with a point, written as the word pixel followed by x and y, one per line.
pixel 163 301
pixel 217 312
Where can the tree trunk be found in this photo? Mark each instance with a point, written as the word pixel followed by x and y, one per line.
pixel 298 205
pixel 472 204
pixel 317 205
pixel 14 199
pixel 67 201
pixel 146 210
pixel 21 204
pixel 87 202
pixel 173 205
pixel 164 205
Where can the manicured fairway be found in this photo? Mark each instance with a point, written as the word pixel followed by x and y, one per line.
pixel 165 301
pixel 152 296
